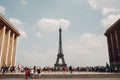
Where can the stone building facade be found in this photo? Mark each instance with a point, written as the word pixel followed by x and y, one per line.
pixel 8 42
pixel 113 40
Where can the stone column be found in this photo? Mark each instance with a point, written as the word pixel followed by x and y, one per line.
pixel 118 33
pixel 9 61
pixel 112 45
pixel 116 36
pixel 4 48
pixel 115 46
pixel 14 51
pixel 109 48
pixel 118 46
pixel 8 46
pixel 2 32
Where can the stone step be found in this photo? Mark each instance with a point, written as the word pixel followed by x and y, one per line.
pixel 116 75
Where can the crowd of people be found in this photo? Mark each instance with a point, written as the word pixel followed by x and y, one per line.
pixel 31 71
pixel 34 69
pixel 83 69
pixel 5 69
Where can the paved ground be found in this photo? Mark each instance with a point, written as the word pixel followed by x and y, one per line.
pixel 68 79
pixel 65 76
pixel 56 73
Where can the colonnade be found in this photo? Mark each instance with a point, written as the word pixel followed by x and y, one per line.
pixel 113 40
pixel 8 42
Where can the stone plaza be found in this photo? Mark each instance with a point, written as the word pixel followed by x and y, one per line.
pixel 68 79
pixel 64 76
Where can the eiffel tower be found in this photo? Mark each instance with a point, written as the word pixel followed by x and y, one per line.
pixel 60 53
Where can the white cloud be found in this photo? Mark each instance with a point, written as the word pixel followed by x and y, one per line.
pixel 108 10
pixel 38 59
pixel 93 4
pixel 99 4
pixel 109 20
pixel 49 24
pixel 23 33
pixel 88 47
pixel 2 10
pixel 24 2
pixel 38 35
pixel 105 6
pixel 17 23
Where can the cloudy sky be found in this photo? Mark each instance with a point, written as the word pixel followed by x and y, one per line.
pixel 83 23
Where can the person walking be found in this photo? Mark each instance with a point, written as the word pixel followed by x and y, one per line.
pixel 26 73
pixel 39 71
pixel 31 73
pixel 70 69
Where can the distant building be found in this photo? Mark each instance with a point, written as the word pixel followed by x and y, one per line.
pixel 113 40
pixel 8 41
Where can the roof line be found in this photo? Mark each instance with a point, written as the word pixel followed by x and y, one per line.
pixel 9 24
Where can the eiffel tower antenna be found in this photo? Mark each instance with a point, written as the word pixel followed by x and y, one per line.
pixel 60 25
pixel 60 53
